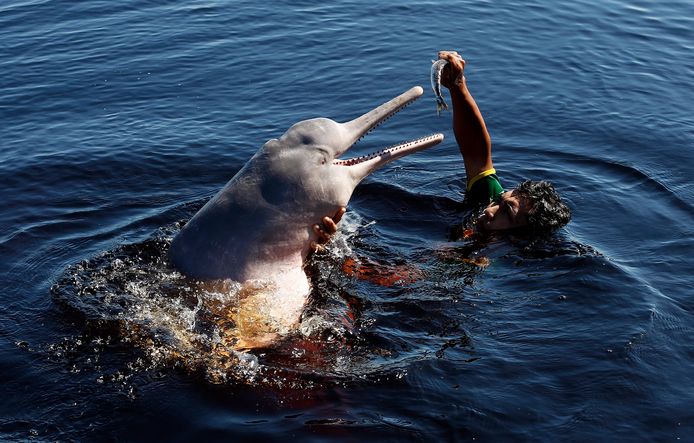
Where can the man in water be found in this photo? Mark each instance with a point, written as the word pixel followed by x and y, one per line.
pixel 533 206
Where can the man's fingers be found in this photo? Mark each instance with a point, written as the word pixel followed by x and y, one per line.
pixel 453 58
pixel 338 215
pixel 453 71
pixel 325 232
pixel 450 55
pixel 329 225
pixel 446 55
pixel 323 237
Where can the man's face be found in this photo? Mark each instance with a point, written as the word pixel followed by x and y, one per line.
pixel 510 211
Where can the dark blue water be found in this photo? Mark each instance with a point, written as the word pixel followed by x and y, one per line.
pixel 120 119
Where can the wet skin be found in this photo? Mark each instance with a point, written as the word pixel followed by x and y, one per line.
pixel 326 229
pixel 509 212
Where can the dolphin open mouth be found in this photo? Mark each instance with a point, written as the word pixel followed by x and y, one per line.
pixel 359 127
pixel 402 148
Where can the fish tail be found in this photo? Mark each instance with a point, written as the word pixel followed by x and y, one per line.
pixel 440 104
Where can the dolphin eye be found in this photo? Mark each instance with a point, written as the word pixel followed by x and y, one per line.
pixel 323 155
pixel 306 140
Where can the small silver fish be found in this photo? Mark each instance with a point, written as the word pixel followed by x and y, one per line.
pixel 436 70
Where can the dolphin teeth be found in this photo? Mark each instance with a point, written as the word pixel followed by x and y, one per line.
pixel 363 158
pixel 393 148
pixel 387 117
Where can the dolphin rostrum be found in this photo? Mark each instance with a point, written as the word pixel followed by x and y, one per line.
pixel 258 227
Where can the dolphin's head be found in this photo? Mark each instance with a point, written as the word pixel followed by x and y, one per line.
pixel 255 226
pixel 306 162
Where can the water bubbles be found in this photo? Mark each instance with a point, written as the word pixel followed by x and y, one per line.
pixel 298 353
pixel 313 326
pixel 132 294
pixel 248 365
pixel 130 298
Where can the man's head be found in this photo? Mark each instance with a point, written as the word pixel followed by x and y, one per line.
pixel 535 206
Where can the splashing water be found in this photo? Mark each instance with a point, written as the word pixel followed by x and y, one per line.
pixel 133 293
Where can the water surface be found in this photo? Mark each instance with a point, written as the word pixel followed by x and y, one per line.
pixel 121 119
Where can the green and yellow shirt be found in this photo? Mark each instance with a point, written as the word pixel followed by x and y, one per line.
pixel 483 188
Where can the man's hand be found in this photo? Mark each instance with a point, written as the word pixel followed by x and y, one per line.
pixel 452 73
pixel 324 233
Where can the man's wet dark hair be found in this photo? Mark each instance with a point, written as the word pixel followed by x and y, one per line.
pixel 547 212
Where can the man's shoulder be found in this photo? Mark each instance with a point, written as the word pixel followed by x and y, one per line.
pixel 483 188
